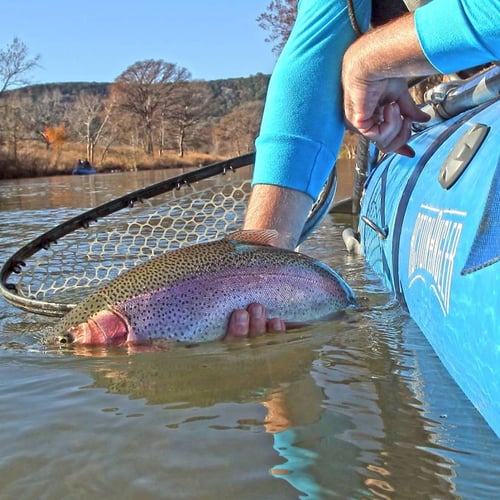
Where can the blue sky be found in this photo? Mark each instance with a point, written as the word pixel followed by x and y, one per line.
pixel 96 40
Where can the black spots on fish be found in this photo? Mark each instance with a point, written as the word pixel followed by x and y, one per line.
pixel 188 294
pixel 177 312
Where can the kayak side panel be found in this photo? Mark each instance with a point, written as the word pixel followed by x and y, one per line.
pixel 440 256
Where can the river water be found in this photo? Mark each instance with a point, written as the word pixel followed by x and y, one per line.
pixel 356 407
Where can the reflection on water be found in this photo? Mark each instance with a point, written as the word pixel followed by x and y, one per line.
pixel 87 191
pixel 75 191
pixel 357 407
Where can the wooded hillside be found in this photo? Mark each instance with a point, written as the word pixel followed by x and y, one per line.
pixel 134 122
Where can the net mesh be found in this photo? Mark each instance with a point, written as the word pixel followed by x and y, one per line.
pixel 86 258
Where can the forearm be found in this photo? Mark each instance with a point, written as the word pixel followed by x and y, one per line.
pixel 375 67
pixel 282 209
pixel 443 36
pixel 390 51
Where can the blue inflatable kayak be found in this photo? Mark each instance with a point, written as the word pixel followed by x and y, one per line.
pixel 430 227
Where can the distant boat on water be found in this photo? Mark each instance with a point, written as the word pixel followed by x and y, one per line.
pixel 83 167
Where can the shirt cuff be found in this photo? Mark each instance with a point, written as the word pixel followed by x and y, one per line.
pixel 312 163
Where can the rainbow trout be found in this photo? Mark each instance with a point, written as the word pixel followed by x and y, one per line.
pixel 187 295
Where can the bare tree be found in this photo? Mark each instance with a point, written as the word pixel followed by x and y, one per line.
pixel 189 103
pixel 236 132
pixel 14 64
pixel 143 90
pixel 88 118
pixel 11 131
pixel 278 21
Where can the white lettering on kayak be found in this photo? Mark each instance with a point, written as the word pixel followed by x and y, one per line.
pixel 433 247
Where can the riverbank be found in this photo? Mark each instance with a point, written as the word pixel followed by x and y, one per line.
pixel 37 161
pixel 33 159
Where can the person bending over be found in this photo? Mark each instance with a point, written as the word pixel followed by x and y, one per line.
pixel 326 79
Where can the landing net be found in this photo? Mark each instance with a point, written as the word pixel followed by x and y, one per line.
pixel 62 266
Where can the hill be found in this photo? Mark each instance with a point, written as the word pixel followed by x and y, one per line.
pixel 47 127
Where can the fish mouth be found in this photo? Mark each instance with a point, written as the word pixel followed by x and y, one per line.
pixel 105 328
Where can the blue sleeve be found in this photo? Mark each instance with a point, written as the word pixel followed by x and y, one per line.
pixel 302 125
pixel 459 34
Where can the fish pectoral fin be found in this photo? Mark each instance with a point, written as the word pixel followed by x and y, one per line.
pixel 258 236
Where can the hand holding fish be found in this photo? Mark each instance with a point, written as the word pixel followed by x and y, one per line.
pixel 252 322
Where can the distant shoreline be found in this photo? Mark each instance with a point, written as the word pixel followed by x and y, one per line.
pixel 37 166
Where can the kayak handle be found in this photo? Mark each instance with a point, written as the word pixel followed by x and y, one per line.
pixel 381 232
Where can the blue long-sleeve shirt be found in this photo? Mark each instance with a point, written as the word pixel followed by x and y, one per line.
pixel 459 34
pixel 302 126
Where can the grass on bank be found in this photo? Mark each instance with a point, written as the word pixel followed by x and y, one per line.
pixel 33 159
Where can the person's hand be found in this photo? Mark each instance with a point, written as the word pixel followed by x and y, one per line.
pixel 383 110
pixel 251 322
pixel 375 68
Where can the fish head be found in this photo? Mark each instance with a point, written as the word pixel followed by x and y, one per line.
pixel 104 328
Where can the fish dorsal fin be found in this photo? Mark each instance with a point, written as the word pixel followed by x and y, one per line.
pixel 259 236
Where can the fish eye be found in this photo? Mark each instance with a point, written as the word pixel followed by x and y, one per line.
pixel 64 339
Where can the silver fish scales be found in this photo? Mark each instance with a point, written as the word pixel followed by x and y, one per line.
pixel 187 295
